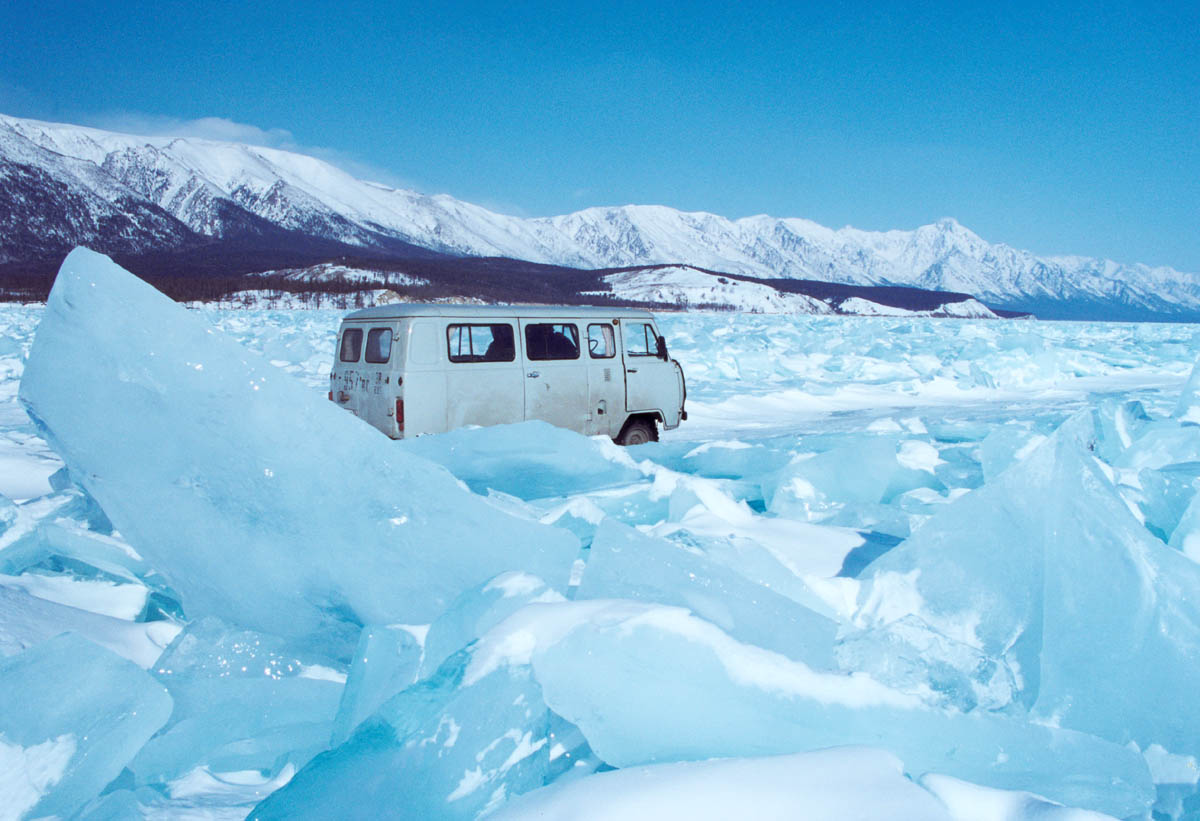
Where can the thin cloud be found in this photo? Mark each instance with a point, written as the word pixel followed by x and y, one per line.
pixel 207 128
pixel 222 129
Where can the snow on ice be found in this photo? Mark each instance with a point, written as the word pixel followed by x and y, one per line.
pixel 891 567
pixel 862 784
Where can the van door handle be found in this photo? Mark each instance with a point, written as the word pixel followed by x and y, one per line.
pixel 533 374
pixel 631 370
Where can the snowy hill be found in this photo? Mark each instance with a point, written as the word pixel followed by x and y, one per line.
pixel 62 185
pixel 691 287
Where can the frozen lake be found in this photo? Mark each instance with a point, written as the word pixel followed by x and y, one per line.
pixel 869 532
pixel 770 380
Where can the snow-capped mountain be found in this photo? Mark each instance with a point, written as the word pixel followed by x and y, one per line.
pixel 62 184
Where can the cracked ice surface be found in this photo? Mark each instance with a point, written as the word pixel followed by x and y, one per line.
pixel 966 548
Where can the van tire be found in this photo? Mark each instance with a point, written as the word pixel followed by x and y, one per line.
pixel 638 431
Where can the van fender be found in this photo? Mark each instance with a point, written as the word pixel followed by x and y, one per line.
pixel 641 418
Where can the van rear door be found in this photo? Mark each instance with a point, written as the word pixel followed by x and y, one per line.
pixel 363 377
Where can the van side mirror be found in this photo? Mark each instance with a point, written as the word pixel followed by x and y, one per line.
pixel 661 348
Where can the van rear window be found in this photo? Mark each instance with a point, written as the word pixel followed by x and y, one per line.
pixel 546 340
pixel 481 343
pixel 379 345
pixel 351 345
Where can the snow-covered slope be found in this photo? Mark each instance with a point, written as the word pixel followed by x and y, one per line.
pixel 88 185
pixel 690 287
pixel 49 201
pixel 687 286
pixel 965 309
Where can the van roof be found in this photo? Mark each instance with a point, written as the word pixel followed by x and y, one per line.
pixel 399 310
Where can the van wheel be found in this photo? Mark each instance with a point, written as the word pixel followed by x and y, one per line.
pixel 638 432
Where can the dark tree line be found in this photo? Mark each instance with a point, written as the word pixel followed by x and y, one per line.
pixel 222 271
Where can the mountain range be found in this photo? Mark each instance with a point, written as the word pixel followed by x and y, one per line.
pixel 233 208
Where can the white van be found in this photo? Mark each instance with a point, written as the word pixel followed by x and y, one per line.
pixel 410 369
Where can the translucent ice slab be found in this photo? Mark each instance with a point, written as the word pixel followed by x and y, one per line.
pixel 447 748
pixel 256 498
pixel 1005 445
pixel 655 684
pixel 478 610
pixel 701 509
pixel 243 700
pixel 1166 498
pixel 1046 571
pixel 625 564
pixel 1187 410
pixel 386 661
pixel 73 716
pixel 866 471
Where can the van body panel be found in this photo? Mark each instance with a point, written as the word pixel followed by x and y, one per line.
pixel 556 389
pixel 424 394
pixel 455 365
pixel 424 346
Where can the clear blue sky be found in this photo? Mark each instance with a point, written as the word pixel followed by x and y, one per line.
pixel 1057 128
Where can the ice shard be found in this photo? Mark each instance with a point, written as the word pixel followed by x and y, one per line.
pixel 260 501
pixel 1166 499
pixel 243 700
pixel 1187 410
pixel 648 683
pixel 478 610
pixel 386 661
pixel 451 747
pixel 626 564
pixel 815 488
pixel 73 716
pixel 1046 571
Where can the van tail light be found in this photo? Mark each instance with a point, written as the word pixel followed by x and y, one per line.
pixel 400 414
pixel 331 396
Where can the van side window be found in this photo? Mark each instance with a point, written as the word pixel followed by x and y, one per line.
pixel 601 344
pixel 640 339
pixel 351 345
pixel 379 345
pixel 481 343
pixel 546 340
